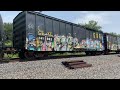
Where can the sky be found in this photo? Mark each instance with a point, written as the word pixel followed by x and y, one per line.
pixel 109 20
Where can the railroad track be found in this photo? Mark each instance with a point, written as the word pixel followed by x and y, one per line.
pixel 76 64
pixel 43 58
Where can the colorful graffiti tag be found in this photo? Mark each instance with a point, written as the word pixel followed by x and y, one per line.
pixel 63 43
pixel 30 42
pixel 90 44
pixel 112 46
pixel 48 42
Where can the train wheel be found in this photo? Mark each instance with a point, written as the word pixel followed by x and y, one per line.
pixel 87 53
pixel 29 55
pixel 39 55
pixel 1 55
pixel 93 53
pixel 117 52
pixel 21 55
pixel 46 55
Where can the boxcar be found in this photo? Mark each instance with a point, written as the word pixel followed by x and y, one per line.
pixel 112 43
pixel 36 32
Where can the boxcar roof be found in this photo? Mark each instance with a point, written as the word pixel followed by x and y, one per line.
pixel 111 34
pixel 40 14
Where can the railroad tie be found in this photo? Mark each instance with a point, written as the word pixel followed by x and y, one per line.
pixel 118 55
pixel 68 62
pixel 80 66
pixel 76 64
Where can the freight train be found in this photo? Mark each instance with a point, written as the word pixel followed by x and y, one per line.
pixel 37 35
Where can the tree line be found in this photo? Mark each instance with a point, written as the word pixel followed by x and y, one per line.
pixel 94 25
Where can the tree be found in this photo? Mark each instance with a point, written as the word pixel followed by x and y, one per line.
pixel 8 29
pixel 119 35
pixel 92 25
pixel 112 33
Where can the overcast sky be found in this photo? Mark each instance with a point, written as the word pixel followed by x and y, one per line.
pixel 109 20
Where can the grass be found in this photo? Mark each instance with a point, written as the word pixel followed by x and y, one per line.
pixel 67 53
pixel 11 56
pixel 8 43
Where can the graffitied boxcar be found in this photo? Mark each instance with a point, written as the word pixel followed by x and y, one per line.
pixel 1 32
pixel 37 32
pixel 112 43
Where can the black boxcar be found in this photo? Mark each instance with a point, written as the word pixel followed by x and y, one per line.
pixel 112 43
pixel 37 32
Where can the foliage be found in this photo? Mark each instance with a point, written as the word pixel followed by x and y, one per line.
pixel 119 35
pixel 8 29
pixel 8 43
pixel 112 33
pixel 92 25
pixel 115 34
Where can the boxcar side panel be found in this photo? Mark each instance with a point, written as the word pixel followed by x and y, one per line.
pixel 48 25
pixel 56 27
pixel 76 37
pixel 118 40
pixel 30 32
pixel 69 38
pixel 93 42
pixel 40 25
pixel 19 31
pixel 56 33
pixel 1 31
pixel 80 35
pixel 40 30
pixel 47 34
pixel 111 42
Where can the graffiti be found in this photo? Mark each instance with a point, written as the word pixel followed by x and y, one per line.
pixel 112 46
pixel 30 40
pixel 75 43
pixel 90 44
pixel 57 42
pixel 40 44
pixel 63 43
pixel 48 42
pixel 69 42
pixel 30 26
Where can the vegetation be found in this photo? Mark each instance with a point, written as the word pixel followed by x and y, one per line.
pixel 92 25
pixel 115 34
pixel 8 28
pixel 119 35
pixel 11 55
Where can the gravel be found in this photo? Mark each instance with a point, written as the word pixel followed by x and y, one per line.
pixel 103 67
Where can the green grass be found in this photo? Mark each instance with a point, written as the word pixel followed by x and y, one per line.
pixel 65 54
pixel 11 56
pixel 8 43
pixel 56 54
